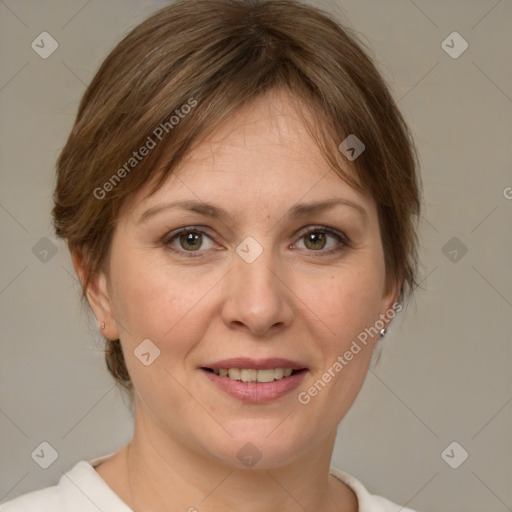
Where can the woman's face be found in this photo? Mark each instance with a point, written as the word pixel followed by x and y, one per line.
pixel 268 278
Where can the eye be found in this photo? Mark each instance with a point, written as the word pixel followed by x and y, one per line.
pixel 189 239
pixel 316 239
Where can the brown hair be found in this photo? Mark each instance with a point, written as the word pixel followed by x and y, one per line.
pixel 216 56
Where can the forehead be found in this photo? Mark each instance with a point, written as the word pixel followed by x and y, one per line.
pixel 263 157
pixel 268 136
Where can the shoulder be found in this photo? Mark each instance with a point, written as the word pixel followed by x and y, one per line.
pixel 367 502
pixel 81 489
pixel 42 500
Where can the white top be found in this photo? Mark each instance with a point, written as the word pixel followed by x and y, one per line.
pixel 82 489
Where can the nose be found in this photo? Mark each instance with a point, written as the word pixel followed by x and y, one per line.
pixel 257 297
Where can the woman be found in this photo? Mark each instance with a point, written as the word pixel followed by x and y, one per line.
pixel 240 198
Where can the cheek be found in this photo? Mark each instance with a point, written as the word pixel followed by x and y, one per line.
pixel 350 306
pixel 158 301
pixel 352 301
pixel 151 302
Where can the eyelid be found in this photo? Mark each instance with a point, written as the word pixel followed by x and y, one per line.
pixel 326 229
pixel 344 241
pixel 166 240
pixel 173 234
pixel 341 236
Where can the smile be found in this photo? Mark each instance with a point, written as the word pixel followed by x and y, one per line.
pixel 255 380
pixel 252 375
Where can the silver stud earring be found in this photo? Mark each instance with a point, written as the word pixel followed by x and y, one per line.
pixel 383 332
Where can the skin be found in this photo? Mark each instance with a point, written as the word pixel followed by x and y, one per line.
pixel 297 300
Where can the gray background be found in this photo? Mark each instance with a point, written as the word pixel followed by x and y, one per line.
pixel 445 373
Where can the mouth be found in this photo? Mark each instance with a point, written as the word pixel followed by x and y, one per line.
pixel 255 381
pixel 263 376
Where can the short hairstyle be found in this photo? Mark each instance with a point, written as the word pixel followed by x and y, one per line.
pixel 187 69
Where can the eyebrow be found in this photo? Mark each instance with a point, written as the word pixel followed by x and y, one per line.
pixel 209 210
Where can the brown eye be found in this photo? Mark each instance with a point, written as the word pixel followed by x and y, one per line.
pixel 188 240
pixel 191 240
pixel 318 240
pixel 315 240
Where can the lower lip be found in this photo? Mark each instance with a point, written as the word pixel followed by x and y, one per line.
pixel 256 392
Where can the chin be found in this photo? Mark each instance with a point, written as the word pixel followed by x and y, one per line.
pixel 258 444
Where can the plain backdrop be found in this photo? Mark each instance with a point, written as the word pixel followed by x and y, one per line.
pixel 444 375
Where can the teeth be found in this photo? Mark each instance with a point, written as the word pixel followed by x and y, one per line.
pixel 265 375
pixel 252 375
pixel 248 375
pixel 234 373
pixel 278 373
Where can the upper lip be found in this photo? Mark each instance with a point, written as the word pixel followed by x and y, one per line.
pixel 257 364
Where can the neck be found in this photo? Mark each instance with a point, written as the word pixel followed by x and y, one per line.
pixel 161 471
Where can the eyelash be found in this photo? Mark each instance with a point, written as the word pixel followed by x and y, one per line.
pixel 342 238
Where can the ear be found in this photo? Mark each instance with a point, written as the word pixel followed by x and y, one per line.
pixel 389 300
pixel 97 295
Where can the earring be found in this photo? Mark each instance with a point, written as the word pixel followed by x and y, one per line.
pixel 102 325
pixel 383 332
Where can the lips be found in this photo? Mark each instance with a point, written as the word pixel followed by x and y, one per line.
pixel 251 375
pixel 255 364
pixel 255 380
